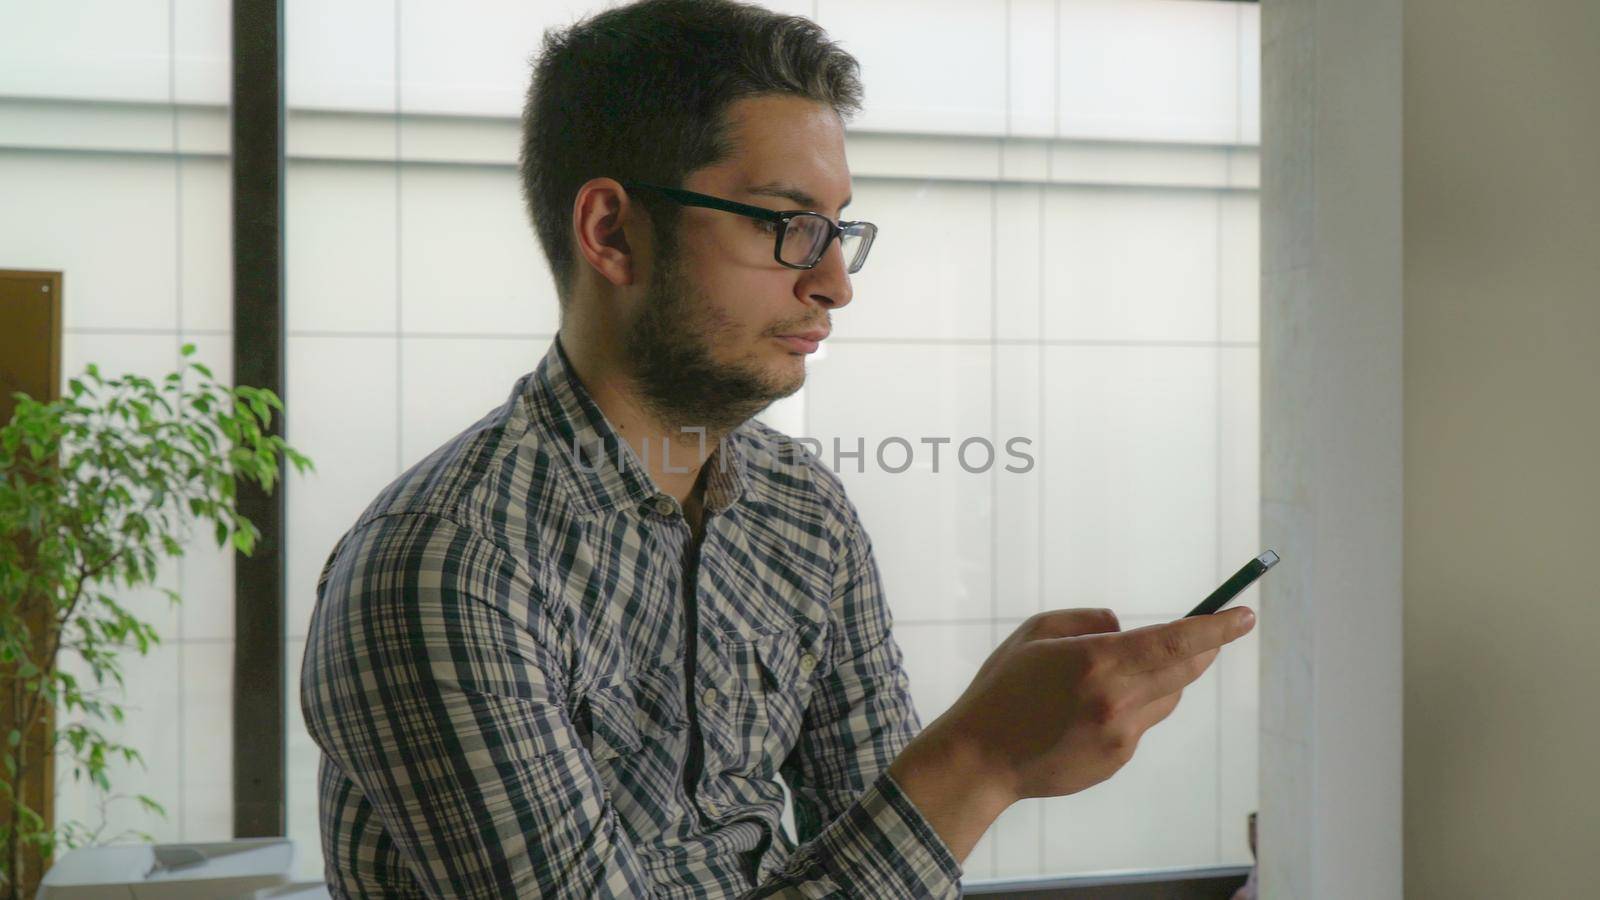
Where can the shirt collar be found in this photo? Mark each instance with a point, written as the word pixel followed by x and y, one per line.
pixel 605 473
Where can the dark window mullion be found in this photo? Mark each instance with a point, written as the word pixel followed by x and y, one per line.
pixel 259 747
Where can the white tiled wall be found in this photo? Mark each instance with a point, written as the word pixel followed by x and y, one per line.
pixel 1130 265
pixel 116 276
pixel 108 49
pixel 1137 70
pixel 1161 70
pixel 954 82
pixel 448 383
pixel 1018 483
pixel 346 418
pixel 469 261
pixel 935 272
pixel 335 284
pixel 1069 254
pixel 1129 458
pixel 929 523
pixel 1032 86
pixel 301 790
pixel 1239 267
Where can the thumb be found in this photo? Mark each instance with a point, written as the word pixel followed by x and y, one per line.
pixel 1069 622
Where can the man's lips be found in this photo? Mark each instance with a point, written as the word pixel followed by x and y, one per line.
pixel 805 341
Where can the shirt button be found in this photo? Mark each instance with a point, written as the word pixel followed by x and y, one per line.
pixel 807 663
pixel 664 505
pixel 709 697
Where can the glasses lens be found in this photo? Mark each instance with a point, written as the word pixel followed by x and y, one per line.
pixel 856 241
pixel 804 240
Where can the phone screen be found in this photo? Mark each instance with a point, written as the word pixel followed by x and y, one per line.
pixel 1241 579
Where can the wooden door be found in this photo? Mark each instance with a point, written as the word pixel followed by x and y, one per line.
pixel 30 362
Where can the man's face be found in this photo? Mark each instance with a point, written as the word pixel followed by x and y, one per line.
pixel 705 344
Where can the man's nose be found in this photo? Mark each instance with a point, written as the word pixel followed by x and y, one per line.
pixel 827 282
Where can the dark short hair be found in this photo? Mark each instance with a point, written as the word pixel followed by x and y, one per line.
pixel 641 91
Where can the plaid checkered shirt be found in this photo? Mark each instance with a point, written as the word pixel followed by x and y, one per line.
pixel 526 679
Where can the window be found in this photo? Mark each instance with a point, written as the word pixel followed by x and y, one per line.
pixel 114 166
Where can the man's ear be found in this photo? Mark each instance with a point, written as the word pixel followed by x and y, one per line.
pixel 609 229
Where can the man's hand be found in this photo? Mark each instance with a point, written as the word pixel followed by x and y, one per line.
pixel 1061 704
pixel 1058 707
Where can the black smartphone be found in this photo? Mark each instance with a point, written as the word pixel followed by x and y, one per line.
pixel 1241 579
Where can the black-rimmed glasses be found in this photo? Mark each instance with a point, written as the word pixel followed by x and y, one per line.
pixel 802 236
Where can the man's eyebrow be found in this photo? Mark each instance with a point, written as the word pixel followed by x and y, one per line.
pixel 789 191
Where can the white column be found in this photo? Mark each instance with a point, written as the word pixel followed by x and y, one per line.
pixel 1331 674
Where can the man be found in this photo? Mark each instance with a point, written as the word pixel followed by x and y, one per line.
pixel 572 651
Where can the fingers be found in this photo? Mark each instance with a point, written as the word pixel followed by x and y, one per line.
pixel 1159 646
pixel 1152 713
pixel 1159 684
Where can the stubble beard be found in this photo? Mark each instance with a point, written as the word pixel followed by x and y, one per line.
pixel 680 382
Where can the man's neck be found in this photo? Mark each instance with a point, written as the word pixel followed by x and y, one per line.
pixel 675 458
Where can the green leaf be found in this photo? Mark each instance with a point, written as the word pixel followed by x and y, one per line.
pixel 106 463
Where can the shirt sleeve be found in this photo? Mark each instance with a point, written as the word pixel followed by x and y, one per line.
pixel 856 826
pixel 447 711
pixel 430 680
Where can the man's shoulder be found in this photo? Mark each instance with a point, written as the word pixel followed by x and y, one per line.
pixel 462 487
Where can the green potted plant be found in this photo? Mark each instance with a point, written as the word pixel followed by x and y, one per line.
pixel 95 487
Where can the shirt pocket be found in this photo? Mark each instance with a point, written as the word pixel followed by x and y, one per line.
pixel 634 732
pixel 767 694
pixel 607 722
